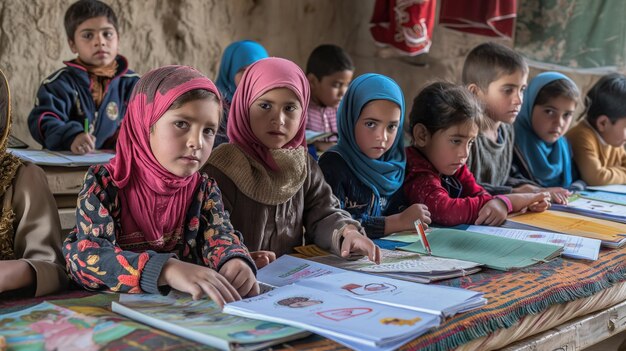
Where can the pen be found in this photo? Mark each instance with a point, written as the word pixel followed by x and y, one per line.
pixel 420 230
pixel 86 125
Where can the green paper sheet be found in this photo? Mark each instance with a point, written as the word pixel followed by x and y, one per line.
pixel 494 252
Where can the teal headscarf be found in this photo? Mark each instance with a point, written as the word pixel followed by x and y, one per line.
pixel 386 174
pixel 550 164
pixel 236 56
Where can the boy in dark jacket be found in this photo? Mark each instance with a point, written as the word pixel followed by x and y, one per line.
pixel 80 107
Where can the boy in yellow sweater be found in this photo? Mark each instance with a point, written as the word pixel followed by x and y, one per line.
pixel 598 141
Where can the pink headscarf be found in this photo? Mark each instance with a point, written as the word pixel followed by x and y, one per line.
pixel 259 78
pixel 153 200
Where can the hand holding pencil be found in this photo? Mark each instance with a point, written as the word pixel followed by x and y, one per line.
pixel 83 142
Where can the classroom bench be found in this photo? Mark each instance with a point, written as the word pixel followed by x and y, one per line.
pixel 65 183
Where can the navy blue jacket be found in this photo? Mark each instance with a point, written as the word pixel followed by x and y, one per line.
pixel 358 198
pixel 64 101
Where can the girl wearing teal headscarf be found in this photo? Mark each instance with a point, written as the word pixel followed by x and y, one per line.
pixel 237 56
pixel 542 154
pixel 366 167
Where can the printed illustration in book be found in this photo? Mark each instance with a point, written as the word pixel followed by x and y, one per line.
pixel 50 327
pixel 203 322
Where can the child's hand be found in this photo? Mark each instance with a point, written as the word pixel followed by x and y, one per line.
pixel 492 213
pixel 240 275
pixel 559 195
pixel 541 202
pixel 15 274
pixel 355 243
pixel 262 258
pixel 83 143
pixel 413 212
pixel 197 281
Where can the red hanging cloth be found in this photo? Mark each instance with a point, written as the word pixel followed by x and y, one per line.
pixel 406 25
pixel 493 18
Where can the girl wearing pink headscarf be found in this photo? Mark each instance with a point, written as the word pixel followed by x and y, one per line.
pixel 275 192
pixel 149 221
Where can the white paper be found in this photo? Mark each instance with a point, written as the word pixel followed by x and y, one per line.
pixel 573 246
pixel 615 188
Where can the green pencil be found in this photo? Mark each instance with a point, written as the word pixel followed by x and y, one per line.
pixel 86 125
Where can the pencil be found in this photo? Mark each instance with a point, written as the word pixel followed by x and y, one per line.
pixel 420 230
pixel 86 125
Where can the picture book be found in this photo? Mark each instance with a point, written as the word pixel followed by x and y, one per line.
pixel 435 299
pixel 49 327
pixel 203 322
pixel 63 158
pixel 612 234
pixel 493 251
pixel 405 266
pixel 351 300
pixel 573 246
pixel 593 208
pixel 604 196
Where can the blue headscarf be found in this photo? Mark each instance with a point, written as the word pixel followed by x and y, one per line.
pixel 386 174
pixel 550 164
pixel 236 56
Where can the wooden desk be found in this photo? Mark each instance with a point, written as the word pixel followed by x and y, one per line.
pixel 65 183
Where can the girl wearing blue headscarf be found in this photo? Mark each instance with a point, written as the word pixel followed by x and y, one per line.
pixel 236 58
pixel 366 167
pixel 542 154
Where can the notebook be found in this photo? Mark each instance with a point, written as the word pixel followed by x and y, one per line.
pixel 63 158
pixel 493 251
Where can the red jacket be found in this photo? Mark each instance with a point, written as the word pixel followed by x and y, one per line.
pixel 422 184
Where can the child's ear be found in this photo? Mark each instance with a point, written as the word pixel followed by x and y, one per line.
pixel 603 123
pixel 421 135
pixel 474 89
pixel 72 45
pixel 313 81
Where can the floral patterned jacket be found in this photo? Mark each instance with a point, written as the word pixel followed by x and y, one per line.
pixel 96 254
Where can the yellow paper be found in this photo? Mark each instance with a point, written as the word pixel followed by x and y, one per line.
pixel 573 224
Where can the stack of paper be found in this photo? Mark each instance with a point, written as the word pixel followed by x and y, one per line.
pixel 612 234
pixel 492 251
pixel 594 208
pixel 605 196
pixel 203 322
pixel 615 188
pixel 346 306
pixel 63 158
pixel 406 266
pixel 573 246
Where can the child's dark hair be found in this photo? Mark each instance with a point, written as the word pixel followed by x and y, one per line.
pixel 441 105
pixel 193 95
pixel 82 10
pixel 607 97
pixel 327 59
pixel 488 62
pixel 558 88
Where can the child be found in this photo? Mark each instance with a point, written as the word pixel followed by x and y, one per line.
pixel 237 56
pixel 366 167
pixel 598 141
pixel 148 221
pixel 541 152
pixel 329 70
pixel 276 193
pixel 31 262
pixel 497 76
pixel 444 124
pixel 80 107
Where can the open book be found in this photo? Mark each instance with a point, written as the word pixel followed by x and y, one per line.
pixel 593 208
pixel 313 136
pixel 203 322
pixel 346 306
pixel 405 266
pixel 612 234
pixel 493 251
pixel 63 158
